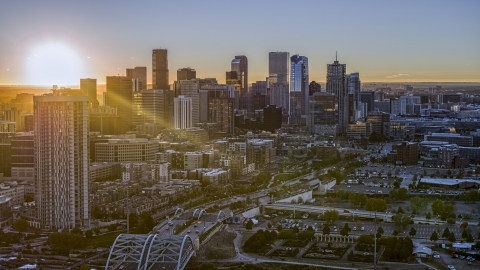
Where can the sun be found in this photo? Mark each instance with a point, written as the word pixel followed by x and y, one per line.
pixel 54 63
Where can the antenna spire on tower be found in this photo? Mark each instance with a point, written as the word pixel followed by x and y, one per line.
pixel 336 59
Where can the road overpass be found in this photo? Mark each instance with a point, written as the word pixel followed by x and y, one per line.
pixel 313 209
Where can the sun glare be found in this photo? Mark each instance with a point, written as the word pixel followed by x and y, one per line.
pixel 54 63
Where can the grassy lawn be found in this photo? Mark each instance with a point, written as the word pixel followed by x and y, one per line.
pixel 220 246
pixel 104 240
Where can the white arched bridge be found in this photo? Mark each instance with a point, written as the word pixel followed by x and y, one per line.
pixel 150 251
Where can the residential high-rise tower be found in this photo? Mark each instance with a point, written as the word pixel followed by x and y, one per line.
pixel 61 161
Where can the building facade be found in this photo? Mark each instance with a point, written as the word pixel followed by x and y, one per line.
pixel 299 88
pixel 61 161
pixel 160 69
pixel 336 84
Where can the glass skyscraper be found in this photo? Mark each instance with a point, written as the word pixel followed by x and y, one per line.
pixel 279 80
pixel 298 88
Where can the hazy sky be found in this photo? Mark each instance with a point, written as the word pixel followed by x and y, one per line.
pixel 57 42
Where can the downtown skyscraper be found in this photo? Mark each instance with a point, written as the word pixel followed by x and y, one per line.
pixel 240 65
pixel 298 89
pixel 61 161
pixel 336 84
pixel 160 69
pixel 279 80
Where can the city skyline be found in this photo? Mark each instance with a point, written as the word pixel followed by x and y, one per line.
pixel 384 43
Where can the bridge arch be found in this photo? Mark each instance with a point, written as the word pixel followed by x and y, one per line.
pixel 176 211
pixel 194 212
pixel 221 212
pixel 200 214
pixel 152 251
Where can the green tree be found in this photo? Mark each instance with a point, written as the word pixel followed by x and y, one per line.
pixel 96 231
pixel 428 215
pixel 452 238
pixel 21 225
pixel 437 207
pixel 326 230
pixel 469 238
pixel 366 239
pixel 451 221
pixel 263 178
pixel 446 233
pixel 330 216
pixel 401 220
pixel 464 225
pixel 412 232
pixel 295 229
pixel 380 232
pixel 400 210
pixel 419 203
pixel 286 234
pixel 279 227
pixel 141 227
pixel 448 211
pixel 249 225
pixel 345 230
pixel 88 233
pixel 77 230
pixel 374 204
pixel 464 233
pixel 434 236
pixel 147 218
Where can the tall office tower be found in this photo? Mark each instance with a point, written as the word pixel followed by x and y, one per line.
pixel 354 87
pixel 89 88
pixel 139 73
pixel 336 84
pixel 182 116
pixel 314 87
pixel 279 97
pixel 231 78
pixel 61 161
pixel 368 97
pixel 298 88
pixel 259 87
pixel 186 74
pixel 190 89
pixel 221 100
pixel 160 69
pixel 120 95
pixel 155 107
pixel 279 67
pixel 323 114
pixel 240 65
pixel 138 117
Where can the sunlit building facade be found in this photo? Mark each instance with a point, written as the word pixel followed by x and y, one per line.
pixel 61 161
